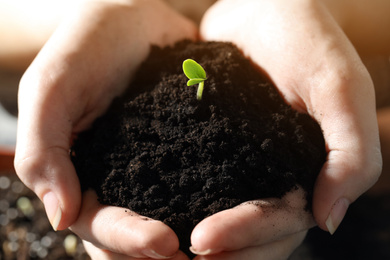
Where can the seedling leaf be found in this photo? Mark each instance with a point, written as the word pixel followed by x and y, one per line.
pixel 194 81
pixel 193 70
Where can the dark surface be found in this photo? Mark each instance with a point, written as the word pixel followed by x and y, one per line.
pixel 364 234
pixel 166 155
pixel 27 234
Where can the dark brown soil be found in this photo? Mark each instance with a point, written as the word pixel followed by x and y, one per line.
pixel 162 153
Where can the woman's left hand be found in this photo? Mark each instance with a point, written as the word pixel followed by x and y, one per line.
pixel 317 71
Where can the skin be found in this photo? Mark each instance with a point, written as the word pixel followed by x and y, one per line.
pixel 86 63
pixel 93 54
pixel 25 26
pixel 329 82
pixel 264 229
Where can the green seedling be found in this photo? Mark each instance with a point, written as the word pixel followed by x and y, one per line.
pixel 196 75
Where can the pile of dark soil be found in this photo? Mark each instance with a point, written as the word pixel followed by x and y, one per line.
pixel 162 153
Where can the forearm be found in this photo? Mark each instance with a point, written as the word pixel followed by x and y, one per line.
pixel 26 25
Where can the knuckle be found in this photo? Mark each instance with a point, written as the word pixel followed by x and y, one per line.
pixel 26 168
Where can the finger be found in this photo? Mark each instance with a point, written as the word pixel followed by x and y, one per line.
pixel 124 232
pixel 100 254
pixel 252 224
pixel 278 250
pixel 351 133
pixel 97 253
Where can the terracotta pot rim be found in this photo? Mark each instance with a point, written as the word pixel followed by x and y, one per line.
pixel 7 150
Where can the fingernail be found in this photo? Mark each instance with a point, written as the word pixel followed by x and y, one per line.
pixel 336 215
pixel 204 252
pixel 153 254
pixel 53 209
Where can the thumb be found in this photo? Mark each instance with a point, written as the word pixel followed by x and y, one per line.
pixel 340 182
pixel 42 158
pixel 354 159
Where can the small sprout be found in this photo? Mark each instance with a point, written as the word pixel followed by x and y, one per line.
pixel 70 244
pixel 196 75
pixel 25 206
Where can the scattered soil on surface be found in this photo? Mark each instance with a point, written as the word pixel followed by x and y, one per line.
pixel 25 231
pixel 163 154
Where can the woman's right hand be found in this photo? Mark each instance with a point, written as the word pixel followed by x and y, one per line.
pixel 86 63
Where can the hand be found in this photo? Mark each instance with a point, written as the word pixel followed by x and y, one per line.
pixel 117 233
pixel 87 62
pixel 316 69
pixel 264 229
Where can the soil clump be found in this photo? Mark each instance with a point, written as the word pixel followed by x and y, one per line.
pixel 163 154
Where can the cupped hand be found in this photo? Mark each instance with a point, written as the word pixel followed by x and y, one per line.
pixel 117 233
pixel 263 229
pixel 87 62
pixel 317 70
